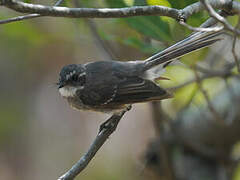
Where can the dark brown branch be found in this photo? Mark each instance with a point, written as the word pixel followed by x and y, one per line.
pixel 105 131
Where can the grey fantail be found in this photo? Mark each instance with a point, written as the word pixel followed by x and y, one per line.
pixel 110 86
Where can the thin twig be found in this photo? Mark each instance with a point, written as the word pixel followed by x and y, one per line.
pixel 205 94
pixel 29 16
pixel 105 49
pixel 212 21
pixel 201 29
pixel 201 78
pixel 109 127
pixel 234 47
pixel 218 17
pixel 234 52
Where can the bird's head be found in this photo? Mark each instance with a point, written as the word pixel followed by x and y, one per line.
pixel 72 77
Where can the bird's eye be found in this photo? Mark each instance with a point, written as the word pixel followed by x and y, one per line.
pixel 74 77
pixel 80 79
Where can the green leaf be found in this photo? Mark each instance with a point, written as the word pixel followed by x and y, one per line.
pixel 194 57
pixel 139 3
pixel 177 74
pixel 151 26
pixel 181 4
pixel 140 44
pixel 115 3
pixel 159 2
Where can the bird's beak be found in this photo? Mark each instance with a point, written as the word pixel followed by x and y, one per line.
pixel 60 85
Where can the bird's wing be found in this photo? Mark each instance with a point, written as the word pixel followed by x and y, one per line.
pixel 136 90
pixel 98 95
pixel 128 91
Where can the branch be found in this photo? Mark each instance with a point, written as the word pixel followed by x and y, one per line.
pixel 201 29
pixel 207 98
pixel 29 16
pixel 100 43
pixel 213 74
pixel 234 47
pixel 218 17
pixel 106 129
pixel 117 12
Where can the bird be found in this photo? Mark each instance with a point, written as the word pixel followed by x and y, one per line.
pixel 111 86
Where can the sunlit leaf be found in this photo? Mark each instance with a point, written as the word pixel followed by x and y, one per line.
pixel 184 95
pixel 195 56
pixel 159 2
pixel 177 75
pixel 212 86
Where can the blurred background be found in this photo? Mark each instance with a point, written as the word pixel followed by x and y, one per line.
pixel 41 136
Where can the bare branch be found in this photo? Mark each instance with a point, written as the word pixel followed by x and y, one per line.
pixel 29 16
pixel 234 52
pixel 19 18
pixel 208 75
pixel 100 43
pixel 234 47
pixel 106 129
pixel 205 94
pixel 201 29
pixel 116 12
pixel 218 17
pixel 90 12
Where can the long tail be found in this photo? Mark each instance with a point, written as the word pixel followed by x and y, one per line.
pixel 193 42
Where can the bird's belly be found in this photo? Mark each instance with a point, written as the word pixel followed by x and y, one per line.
pixel 77 104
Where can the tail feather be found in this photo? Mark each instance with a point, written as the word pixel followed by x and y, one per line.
pixel 194 42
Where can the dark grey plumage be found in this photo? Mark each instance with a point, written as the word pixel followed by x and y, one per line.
pixel 109 86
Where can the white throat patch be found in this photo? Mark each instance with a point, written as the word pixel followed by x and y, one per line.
pixel 68 91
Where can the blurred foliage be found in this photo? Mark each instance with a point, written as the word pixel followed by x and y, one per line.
pixel 30 47
pixel 12 119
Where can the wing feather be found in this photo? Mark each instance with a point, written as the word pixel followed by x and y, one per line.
pixel 128 91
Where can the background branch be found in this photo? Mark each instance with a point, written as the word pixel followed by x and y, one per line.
pixel 29 16
pixel 105 49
